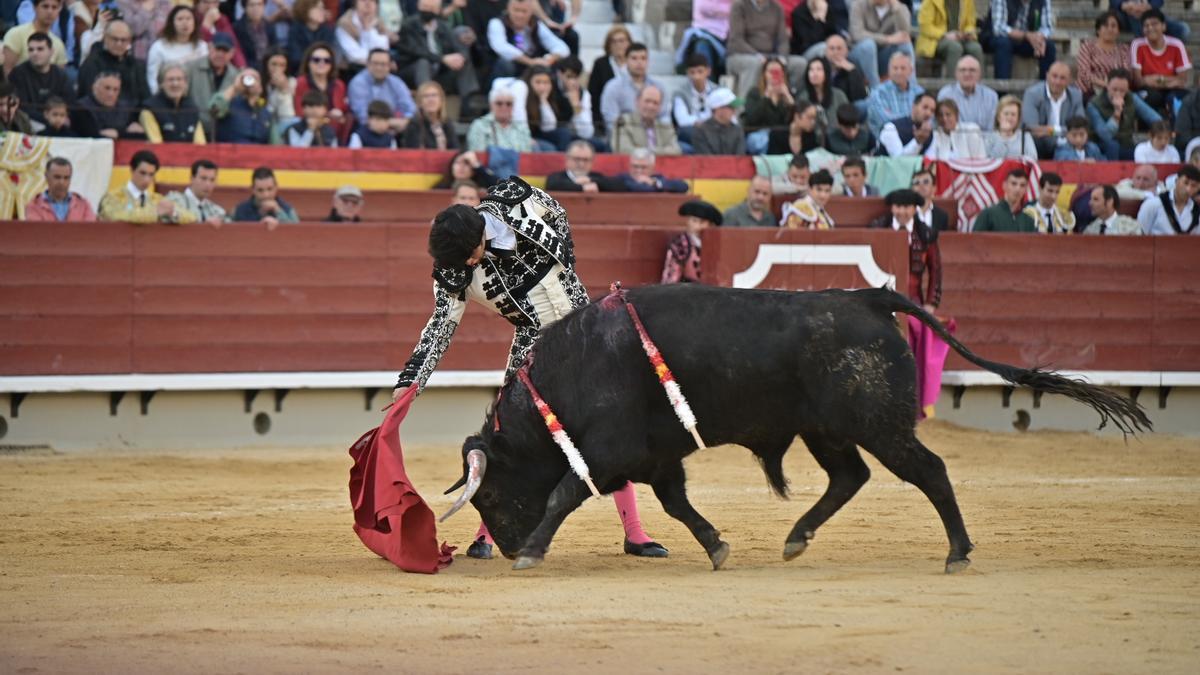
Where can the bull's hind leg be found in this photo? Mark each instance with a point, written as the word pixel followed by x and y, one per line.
pixel 565 498
pixel 847 473
pixel 914 463
pixel 671 489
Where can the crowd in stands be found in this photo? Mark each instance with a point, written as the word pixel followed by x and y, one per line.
pixel 503 77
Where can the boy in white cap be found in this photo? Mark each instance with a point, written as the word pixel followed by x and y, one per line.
pixel 720 133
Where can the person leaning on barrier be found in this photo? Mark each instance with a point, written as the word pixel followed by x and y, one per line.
pixel 136 202
pixel 196 197
pixel 57 202
pixel 265 205
pixel 348 203
pixel 641 176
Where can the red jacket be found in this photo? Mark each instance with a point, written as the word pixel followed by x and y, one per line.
pixel 79 211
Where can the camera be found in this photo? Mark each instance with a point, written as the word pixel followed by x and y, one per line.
pixel 114 12
pixel 248 80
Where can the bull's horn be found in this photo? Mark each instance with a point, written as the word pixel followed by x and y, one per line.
pixel 476 465
pixel 457 484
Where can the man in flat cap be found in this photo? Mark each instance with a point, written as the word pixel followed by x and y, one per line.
pixel 683 251
pixel 514 255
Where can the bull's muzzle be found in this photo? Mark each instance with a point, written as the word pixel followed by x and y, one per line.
pixel 476 465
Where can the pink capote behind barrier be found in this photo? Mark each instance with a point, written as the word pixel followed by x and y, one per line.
pixel 930 352
pixel 390 517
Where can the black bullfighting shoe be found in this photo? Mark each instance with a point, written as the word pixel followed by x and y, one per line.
pixel 480 549
pixel 650 549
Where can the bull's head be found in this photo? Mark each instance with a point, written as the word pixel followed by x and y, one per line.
pixel 509 492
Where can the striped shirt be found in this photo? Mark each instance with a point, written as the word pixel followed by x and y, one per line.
pixel 1000 18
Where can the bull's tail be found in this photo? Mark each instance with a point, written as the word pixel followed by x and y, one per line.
pixel 1125 413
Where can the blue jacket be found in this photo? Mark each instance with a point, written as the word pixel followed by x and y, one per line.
pixel 1065 153
pixel 244 124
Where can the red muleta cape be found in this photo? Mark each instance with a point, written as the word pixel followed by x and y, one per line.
pixel 389 516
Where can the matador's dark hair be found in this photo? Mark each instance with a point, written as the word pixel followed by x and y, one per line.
pixel 455 234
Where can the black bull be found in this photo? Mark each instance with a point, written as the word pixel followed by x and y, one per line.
pixel 758 368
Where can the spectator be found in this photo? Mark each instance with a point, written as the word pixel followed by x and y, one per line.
pixel 1099 56
pixel 976 102
pixel 1143 184
pixel 710 28
pixel 465 192
pixel 1132 11
pixel 794 181
pixel 1157 150
pixel 378 133
pixel 1104 203
pixel 879 29
pixel 911 135
pixel 476 16
pixel 197 196
pixel 948 30
pixel 646 128
pixel 255 34
pixel 578 101
pixel 848 137
pixel 1010 139
pixel 954 139
pixel 16 40
pixel 755 211
pixel 90 24
pixel 641 176
pixel 498 128
pixel 208 78
pixel 846 76
pixel 265 205
pixel 358 34
pixel 720 134
pixel 146 19
pixel 103 114
pixel 1078 148
pixel 348 204
pixel 430 128
pixel 429 50
pixel 520 40
pixel 137 202
pixel 809 211
pixel 1022 28
pixel 1047 216
pixel 1113 114
pixel 555 15
pixel 811 25
pixel 925 259
pixel 768 106
pixel 895 97
pixel 607 67
pixel 819 90
pixel 578 175
pixel 1008 215
pixel 57 202
pixel 1161 67
pixel 376 83
pixel 1187 121
pixel 243 113
pixel 318 71
pixel 1193 157
pixel 58 120
pixel 170 116
pixel 758 31
pixel 466 166
pixel 1046 107
pixel 682 264
pixel 313 130
pixel 281 90
pixel 391 16
pixel 690 106
pixel 1176 211
pixel 929 213
pixel 854 178
pixel 114 55
pixel 552 119
pixel 37 79
pixel 621 94
pixel 180 43
pixel 212 21
pixel 64 29
pixel 801 136
pixel 310 26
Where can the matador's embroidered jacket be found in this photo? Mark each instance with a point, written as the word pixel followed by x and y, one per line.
pixel 531 287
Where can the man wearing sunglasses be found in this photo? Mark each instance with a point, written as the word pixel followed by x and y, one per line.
pixel 514 255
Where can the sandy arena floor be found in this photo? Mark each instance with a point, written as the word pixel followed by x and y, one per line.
pixel 1087 561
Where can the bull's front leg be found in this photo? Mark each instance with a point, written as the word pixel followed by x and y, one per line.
pixel 671 490
pixel 565 498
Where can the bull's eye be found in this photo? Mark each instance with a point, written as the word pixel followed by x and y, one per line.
pixel 487 496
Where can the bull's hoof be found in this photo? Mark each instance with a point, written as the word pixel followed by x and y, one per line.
pixel 526 562
pixel 793 549
pixel 650 549
pixel 954 566
pixel 719 556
